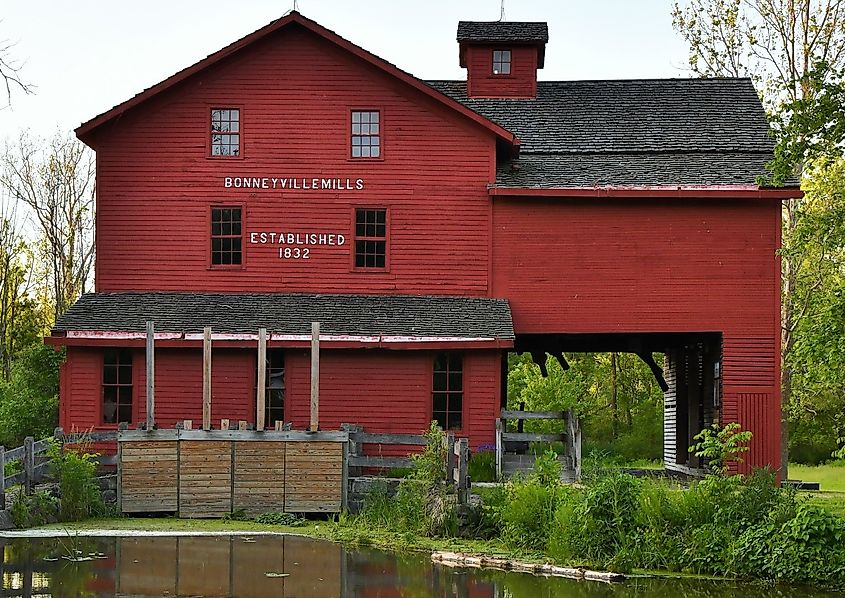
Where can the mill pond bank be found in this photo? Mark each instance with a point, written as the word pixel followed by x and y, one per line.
pixel 241 561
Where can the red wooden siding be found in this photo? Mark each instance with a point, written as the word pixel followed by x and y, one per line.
pixel 384 391
pixel 156 183
pixel 389 392
pixel 585 266
pixel 482 83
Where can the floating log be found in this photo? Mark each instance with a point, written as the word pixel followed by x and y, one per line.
pixel 456 559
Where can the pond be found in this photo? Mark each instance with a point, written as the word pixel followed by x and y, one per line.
pixel 291 566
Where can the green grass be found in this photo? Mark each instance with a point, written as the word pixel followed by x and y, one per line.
pixel 830 476
pixel 311 528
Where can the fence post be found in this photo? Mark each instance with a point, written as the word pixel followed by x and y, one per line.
pixel 355 448
pixel 499 450
pixel 29 464
pixel 450 459
pixel 463 471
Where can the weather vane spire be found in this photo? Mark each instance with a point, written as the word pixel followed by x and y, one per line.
pixel 502 11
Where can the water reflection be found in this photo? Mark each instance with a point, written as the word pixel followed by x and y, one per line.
pixel 289 566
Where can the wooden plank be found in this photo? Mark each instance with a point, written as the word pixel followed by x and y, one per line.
pixel 259 481
pixel 148 476
pixel 205 478
pixel 515 415
pixel 313 477
pixel 315 377
pixel 532 437
pixel 406 439
pixel 261 385
pixel 383 462
pixel 206 378
pixel 151 370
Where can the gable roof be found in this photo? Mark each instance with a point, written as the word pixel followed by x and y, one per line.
pixel 631 132
pixel 85 130
pixel 503 31
pixel 426 317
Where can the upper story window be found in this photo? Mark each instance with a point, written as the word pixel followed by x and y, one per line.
pixel 366 134
pixel 370 238
pixel 117 386
pixel 448 391
pixel 225 132
pixel 501 62
pixel 226 236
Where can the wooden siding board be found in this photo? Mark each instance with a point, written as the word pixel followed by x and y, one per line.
pixel 433 179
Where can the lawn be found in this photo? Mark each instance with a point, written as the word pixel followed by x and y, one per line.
pixel 831 476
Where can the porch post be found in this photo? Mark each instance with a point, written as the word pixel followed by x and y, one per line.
pixel 151 418
pixel 315 376
pixel 206 378
pixel 262 379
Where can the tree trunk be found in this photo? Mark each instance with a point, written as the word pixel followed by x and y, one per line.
pixel 614 406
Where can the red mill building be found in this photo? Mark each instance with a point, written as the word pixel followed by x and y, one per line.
pixel 431 227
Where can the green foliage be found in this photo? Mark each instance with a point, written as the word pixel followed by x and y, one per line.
pixel 482 466
pixel 527 513
pixel 547 468
pixel 29 401
pixel 424 503
pixel 586 389
pixel 721 446
pixel 287 519
pixel 75 472
pixel 38 508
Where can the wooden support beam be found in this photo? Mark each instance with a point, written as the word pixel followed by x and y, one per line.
pixel 206 378
pixel 151 370
pixel 188 424
pixel 655 369
pixel 224 424
pixel 261 384
pixel 315 376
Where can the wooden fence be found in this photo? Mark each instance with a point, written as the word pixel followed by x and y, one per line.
pixel 35 463
pixel 197 473
pixel 513 454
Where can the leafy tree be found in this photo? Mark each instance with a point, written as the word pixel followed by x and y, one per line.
pixel 29 401
pixel 795 51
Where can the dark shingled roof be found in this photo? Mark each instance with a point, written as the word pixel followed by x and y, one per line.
pixel 643 169
pixel 503 31
pixel 390 315
pixel 631 132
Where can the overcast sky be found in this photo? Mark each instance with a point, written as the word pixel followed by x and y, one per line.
pixel 85 56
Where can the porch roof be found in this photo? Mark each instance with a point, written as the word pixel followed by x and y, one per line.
pixel 371 319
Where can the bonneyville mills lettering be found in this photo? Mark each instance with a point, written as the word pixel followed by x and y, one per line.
pixel 293 184
pixel 296 246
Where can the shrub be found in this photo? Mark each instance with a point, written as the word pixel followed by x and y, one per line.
pixel 482 466
pixel 29 403
pixel 36 509
pixel 547 468
pixel 288 519
pixel 721 446
pixel 75 472
pixel 527 513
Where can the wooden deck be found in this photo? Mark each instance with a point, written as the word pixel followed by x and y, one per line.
pixel 195 473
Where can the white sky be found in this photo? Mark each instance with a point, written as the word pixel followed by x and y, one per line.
pixel 85 56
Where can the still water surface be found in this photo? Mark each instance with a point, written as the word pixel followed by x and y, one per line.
pixel 289 566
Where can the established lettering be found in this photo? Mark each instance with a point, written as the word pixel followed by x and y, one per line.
pixel 296 245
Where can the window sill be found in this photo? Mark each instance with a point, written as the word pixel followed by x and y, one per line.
pixel 225 268
pixel 371 270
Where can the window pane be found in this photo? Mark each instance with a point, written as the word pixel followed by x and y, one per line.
pixel 440 381
pixel 356 152
pixel 440 401
pixel 454 420
pixel 356 117
pixel 456 380
pixel 110 374
pixel 125 374
pixel 440 418
pixel 124 413
pixel 374 152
